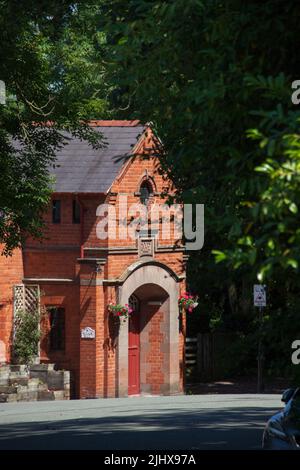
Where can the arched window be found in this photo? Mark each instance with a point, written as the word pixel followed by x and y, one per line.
pixel 133 303
pixel 146 192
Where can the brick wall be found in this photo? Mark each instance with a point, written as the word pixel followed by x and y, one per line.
pixel 67 297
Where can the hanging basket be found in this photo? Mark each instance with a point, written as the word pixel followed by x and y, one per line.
pixel 120 312
pixel 188 302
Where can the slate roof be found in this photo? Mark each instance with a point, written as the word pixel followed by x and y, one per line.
pixel 81 169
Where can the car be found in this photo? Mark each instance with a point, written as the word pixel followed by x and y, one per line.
pixel 282 431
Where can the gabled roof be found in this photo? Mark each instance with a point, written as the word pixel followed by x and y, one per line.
pixel 81 169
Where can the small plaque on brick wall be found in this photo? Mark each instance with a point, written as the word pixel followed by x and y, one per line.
pixel 88 333
pixel 146 247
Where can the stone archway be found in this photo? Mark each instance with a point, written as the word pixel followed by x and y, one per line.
pixel 136 282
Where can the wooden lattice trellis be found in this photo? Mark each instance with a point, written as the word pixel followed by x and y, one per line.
pixel 26 298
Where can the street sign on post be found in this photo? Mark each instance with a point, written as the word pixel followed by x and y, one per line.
pixel 260 300
pixel 260 296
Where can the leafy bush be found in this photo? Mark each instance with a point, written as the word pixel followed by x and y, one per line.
pixel 27 336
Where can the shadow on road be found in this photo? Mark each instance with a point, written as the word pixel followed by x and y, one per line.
pixel 233 428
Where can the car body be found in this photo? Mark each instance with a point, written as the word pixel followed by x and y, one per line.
pixel 282 431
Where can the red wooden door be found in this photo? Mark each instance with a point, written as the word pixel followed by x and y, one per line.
pixel 134 354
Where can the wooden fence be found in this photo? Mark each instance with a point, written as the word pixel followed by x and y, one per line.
pixel 207 354
pixel 191 352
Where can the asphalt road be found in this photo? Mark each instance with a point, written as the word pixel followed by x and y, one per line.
pixel 179 422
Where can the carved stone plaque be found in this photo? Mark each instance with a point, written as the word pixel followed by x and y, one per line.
pixel 146 247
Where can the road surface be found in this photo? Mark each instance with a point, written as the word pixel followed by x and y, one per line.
pixel 188 422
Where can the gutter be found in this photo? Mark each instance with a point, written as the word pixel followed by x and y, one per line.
pixel 82 208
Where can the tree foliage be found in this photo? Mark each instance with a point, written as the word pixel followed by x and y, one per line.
pixel 50 61
pixel 27 336
pixel 215 79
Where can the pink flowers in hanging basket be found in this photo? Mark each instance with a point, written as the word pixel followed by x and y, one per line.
pixel 188 302
pixel 120 311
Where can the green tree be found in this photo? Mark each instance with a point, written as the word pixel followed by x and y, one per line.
pixel 50 61
pixel 215 79
pixel 213 76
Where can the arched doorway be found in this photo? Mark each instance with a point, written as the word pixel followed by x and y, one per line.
pixel 156 369
pixel 148 354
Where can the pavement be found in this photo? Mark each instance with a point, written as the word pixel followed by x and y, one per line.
pixel 186 422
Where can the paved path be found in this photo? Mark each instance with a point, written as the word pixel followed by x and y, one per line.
pixel 180 422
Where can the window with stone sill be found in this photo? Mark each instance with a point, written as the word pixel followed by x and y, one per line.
pixel 146 191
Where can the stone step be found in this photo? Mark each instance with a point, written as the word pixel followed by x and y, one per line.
pixel 3 397
pixel 36 382
pixel 59 395
pixel 16 377
pixel 41 367
pixel 18 381
pixel 55 380
pixel 4 381
pixel 28 395
pixel 19 373
pixel 33 383
pixel 12 397
pixel 8 389
pixel 22 389
pixel 4 373
pixel 19 369
pixel 45 395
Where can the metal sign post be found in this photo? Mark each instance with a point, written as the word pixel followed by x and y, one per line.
pixel 260 301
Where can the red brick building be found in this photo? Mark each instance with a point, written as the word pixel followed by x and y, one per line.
pixel 79 272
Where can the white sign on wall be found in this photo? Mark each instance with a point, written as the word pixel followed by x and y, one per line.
pixel 260 295
pixel 88 333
